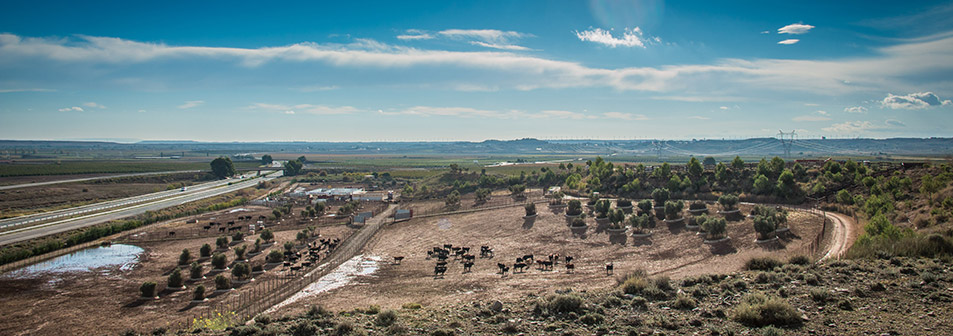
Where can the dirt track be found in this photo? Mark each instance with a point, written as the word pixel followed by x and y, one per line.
pixel 845 231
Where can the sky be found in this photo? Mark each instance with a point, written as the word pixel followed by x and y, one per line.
pixel 447 70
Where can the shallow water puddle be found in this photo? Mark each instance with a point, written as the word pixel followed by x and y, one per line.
pixel 339 277
pixel 124 256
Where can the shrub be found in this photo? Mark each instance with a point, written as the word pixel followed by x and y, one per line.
pixel 219 261
pixel 303 328
pixel 728 202
pixel 685 302
pixel 185 257
pixel 660 196
pixel 764 225
pixel 799 260
pixel 565 303
pixel 575 208
pixel 343 328
pixel 222 282
pixel 386 318
pixel 453 199
pixel 221 242
pixel 758 310
pixel 623 203
pixel 147 289
pixel 673 209
pixel 175 279
pixel 241 271
pixel 199 293
pixel 275 257
pixel 716 227
pixel 238 236
pixel 766 277
pixel 205 251
pixel 697 205
pixel 263 318
pixel 195 270
pixel 641 223
pixel 602 208
pixel 257 247
pixel 592 318
pixel 411 306
pixel 530 209
pixel 318 311
pixel 267 235
pixel 645 206
pixel 811 279
pixel 240 252
pixel 289 246
pixel 820 295
pixel 762 264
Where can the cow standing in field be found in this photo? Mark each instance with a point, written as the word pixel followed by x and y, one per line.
pixel 504 270
pixel 609 268
pixel 568 259
pixel 467 266
pixel 438 271
pixel 398 260
pixel 518 267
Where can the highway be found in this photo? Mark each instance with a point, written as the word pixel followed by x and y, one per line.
pixel 90 208
pixel 38 184
pixel 126 209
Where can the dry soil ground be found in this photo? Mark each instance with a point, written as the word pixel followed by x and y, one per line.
pixel 106 301
pixel 672 251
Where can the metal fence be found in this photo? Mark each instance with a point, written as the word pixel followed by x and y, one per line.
pixel 265 294
pixel 498 202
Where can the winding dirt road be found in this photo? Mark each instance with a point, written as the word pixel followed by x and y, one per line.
pixel 844 232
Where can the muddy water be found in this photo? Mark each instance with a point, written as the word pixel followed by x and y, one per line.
pixel 103 258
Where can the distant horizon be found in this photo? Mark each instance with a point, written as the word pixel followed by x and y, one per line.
pixel 464 71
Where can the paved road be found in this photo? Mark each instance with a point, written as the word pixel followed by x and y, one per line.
pixel 36 231
pixel 37 184
pixel 91 208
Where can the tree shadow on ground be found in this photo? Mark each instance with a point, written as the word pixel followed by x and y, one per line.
pixel 620 239
pixel 528 222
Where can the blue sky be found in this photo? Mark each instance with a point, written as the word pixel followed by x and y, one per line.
pixel 399 71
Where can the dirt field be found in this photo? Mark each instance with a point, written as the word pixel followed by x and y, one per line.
pixel 34 199
pixel 106 301
pixel 672 251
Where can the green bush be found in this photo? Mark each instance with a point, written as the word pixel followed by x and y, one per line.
pixel 175 279
pixel 195 270
pixel 592 318
pixel 205 251
pixel 221 242
pixel 147 289
pixel 763 264
pixel 219 261
pixel 267 235
pixel 241 271
pixel 685 302
pixel 222 282
pixel 275 257
pixel 758 310
pixel 185 257
pixel 199 293
pixel 799 260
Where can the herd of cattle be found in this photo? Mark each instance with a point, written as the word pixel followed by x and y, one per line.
pixel 463 256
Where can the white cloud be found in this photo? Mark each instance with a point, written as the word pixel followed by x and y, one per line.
pixel 766 32
pixel 887 67
pixel 191 104
pixel 699 118
pixel 795 28
pixel 559 114
pixel 855 109
pixel 630 37
pixel 68 109
pixel 490 38
pixel 811 104
pixel 894 123
pixel 723 108
pixel 624 116
pixel 850 127
pixel 142 111
pixel 821 112
pixel 914 101
pixel 306 108
pixel 92 104
pixel 788 41
pixel 414 34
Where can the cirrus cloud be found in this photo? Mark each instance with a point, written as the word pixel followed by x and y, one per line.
pixel 630 37
pixel 855 109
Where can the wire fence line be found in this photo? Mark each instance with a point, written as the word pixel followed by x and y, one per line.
pixel 421 210
pixel 266 294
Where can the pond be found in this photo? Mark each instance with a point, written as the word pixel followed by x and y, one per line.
pixel 123 256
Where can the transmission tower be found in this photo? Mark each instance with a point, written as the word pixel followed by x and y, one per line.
pixel 787 141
